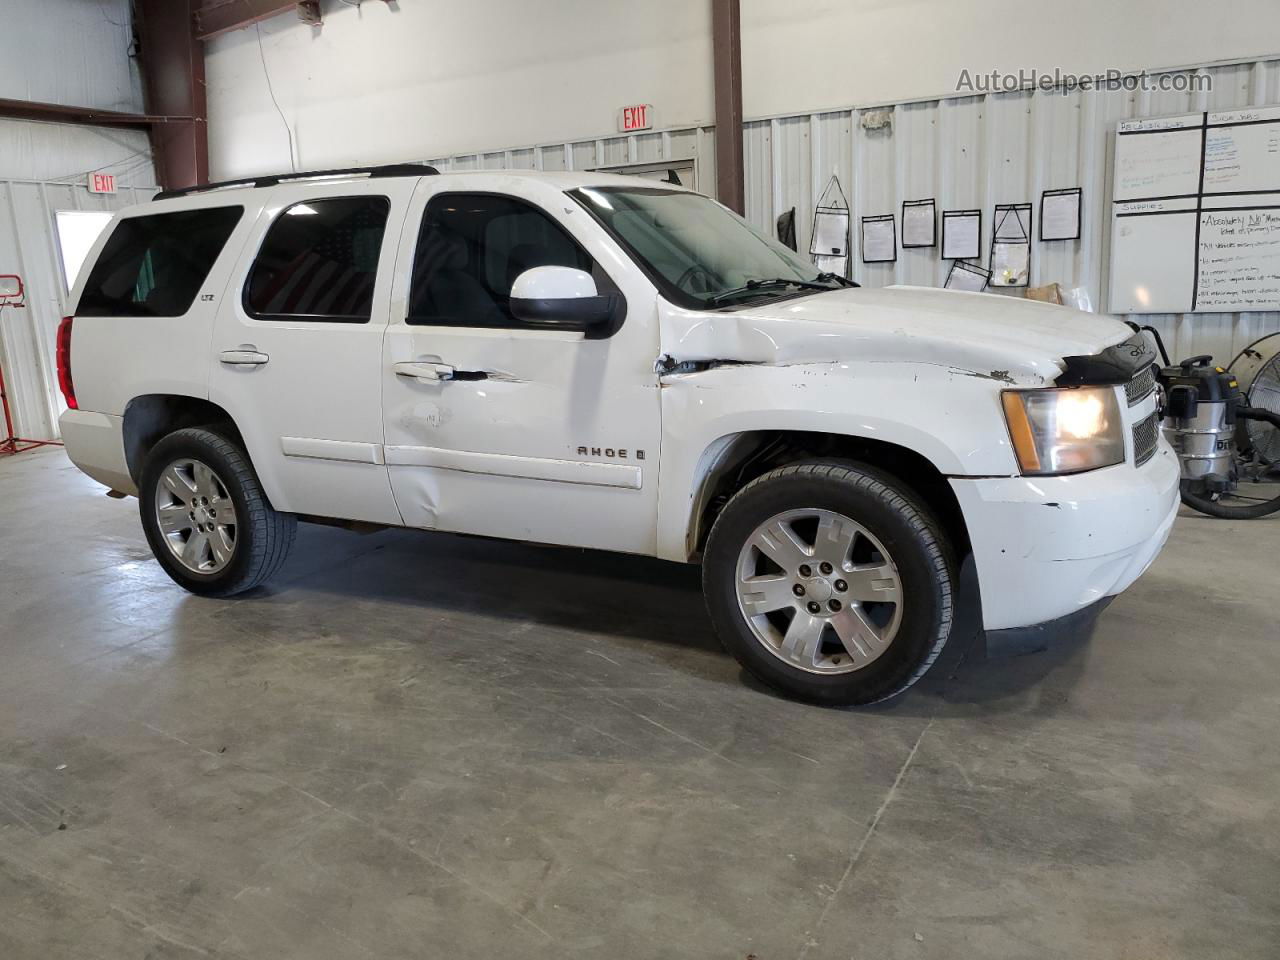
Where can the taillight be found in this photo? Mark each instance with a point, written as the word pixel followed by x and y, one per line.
pixel 64 364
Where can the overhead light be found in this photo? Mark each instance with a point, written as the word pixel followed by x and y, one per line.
pixel 301 210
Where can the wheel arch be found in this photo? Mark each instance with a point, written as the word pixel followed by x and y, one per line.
pixel 150 417
pixel 734 460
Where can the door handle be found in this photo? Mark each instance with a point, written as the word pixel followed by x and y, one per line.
pixel 243 358
pixel 424 370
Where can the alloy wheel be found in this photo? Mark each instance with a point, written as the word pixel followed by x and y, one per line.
pixel 196 516
pixel 819 591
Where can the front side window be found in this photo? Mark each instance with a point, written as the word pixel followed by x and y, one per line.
pixel 471 249
pixel 154 266
pixel 699 253
pixel 319 261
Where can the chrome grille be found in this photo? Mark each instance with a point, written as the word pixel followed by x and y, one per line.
pixel 1140 387
pixel 1146 433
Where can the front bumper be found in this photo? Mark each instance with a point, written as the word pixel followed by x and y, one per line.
pixel 1049 547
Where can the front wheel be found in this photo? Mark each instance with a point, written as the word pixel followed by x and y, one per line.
pixel 206 518
pixel 831 582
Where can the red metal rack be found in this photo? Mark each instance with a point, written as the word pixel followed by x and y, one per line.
pixel 11 295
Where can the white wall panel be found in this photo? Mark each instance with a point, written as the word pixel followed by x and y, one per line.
pixel 383 82
pixel 824 54
pixel 69 52
pixel 73 52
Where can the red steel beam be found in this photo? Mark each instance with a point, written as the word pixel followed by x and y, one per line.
pixel 220 17
pixel 726 50
pixel 90 116
pixel 173 70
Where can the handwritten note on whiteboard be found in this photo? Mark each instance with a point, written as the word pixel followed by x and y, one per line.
pixel 1242 158
pixel 1158 164
pixel 1239 260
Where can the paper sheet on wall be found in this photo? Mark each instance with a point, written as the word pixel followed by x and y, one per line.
pixel 967 276
pixel 879 239
pixel 961 234
pixel 1060 215
pixel 918 224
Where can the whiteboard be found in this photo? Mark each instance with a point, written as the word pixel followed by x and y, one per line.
pixel 1195 220
pixel 1154 243
pixel 1158 164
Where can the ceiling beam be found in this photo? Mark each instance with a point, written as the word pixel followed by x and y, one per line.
pixel 726 51
pixel 90 116
pixel 221 16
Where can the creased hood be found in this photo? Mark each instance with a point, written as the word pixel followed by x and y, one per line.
pixel 986 334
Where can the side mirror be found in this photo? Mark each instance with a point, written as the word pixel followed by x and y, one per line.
pixel 561 298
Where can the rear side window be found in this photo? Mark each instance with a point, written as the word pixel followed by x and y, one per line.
pixel 319 261
pixel 154 266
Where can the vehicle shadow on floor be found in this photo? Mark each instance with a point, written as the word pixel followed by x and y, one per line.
pixel 553 587
pixel 639 599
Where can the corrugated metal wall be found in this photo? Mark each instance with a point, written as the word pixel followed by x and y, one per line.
pixel 965 152
pixel 43 168
pixel 29 247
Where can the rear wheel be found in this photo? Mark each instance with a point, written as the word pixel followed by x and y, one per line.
pixel 831 582
pixel 206 518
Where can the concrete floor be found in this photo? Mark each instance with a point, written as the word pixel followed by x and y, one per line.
pixel 416 746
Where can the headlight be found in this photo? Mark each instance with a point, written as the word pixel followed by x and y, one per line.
pixel 1064 430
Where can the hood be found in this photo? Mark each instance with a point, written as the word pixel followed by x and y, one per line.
pixel 986 334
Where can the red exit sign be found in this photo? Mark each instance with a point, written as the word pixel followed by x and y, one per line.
pixel 102 183
pixel 638 117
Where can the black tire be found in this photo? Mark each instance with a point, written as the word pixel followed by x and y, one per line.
pixel 895 516
pixel 263 535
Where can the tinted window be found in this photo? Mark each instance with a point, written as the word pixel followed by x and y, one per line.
pixel 319 261
pixel 470 250
pixel 154 266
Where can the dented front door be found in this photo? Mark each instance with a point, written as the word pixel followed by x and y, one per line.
pixel 493 428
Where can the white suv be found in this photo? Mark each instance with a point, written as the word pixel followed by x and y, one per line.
pixel 618 364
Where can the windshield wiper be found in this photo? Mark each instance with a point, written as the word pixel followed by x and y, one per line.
pixel 752 286
pixel 836 278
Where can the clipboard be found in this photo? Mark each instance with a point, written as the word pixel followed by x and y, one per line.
pixel 878 225
pixel 917 209
pixel 1062 196
pixel 967 276
pixel 1010 260
pixel 829 239
pixel 961 234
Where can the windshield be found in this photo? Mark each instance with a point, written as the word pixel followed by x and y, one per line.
pixel 699 253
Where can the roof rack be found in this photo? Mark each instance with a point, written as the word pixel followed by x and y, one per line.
pixel 386 170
